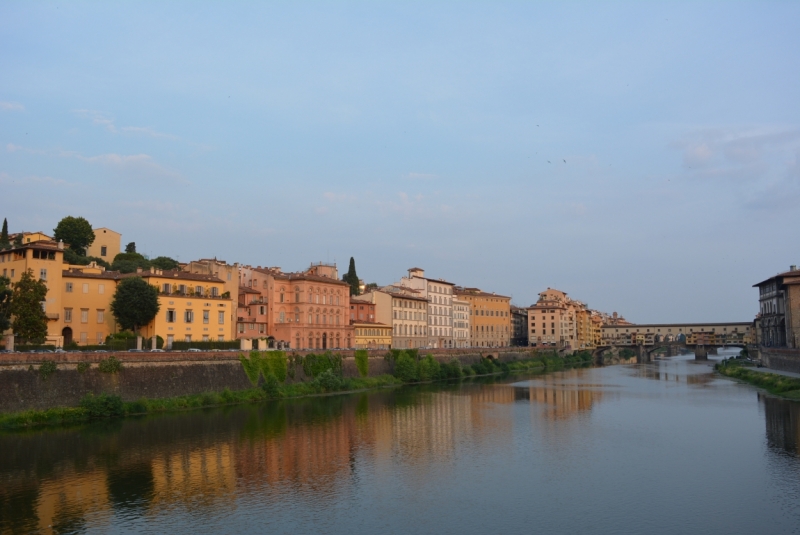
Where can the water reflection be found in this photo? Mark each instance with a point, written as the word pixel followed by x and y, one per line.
pixel 783 422
pixel 317 454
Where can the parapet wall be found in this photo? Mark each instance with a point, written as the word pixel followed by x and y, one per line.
pixel 160 375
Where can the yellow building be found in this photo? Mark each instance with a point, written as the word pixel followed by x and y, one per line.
pixel 192 307
pixel 371 335
pixel 30 237
pixel 85 314
pixel 106 245
pixel 228 273
pixel 490 317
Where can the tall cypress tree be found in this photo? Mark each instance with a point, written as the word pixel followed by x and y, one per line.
pixel 5 243
pixel 351 278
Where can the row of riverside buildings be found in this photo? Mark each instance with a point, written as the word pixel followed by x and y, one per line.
pixel 212 300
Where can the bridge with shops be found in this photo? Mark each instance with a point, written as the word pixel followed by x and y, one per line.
pixel 647 339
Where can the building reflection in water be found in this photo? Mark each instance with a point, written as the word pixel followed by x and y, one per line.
pixel 309 447
pixel 782 421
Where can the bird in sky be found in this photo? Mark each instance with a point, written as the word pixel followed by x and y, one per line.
pixel 548 161
pixel 565 161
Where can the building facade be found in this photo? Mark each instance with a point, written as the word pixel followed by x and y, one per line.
pixel 405 311
pixel 461 323
pixel 779 309
pixel 106 245
pixel 519 326
pixel 371 335
pixel 551 321
pixel 490 317
pixel 229 275
pixel 439 294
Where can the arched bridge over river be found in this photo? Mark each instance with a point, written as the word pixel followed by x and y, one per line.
pixel 703 338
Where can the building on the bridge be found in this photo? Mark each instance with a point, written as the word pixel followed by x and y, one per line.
pixel 490 317
pixel 519 326
pixel 707 334
pixel 779 309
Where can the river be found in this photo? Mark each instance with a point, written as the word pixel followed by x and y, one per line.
pixel 665 447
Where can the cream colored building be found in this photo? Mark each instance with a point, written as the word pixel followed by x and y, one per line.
pixel 405 311
pixel 439 294
pixel 107 244
pixel 461 323
pixel 228 274
pixel 552 321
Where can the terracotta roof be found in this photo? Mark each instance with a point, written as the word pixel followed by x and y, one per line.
pixel 114 275
pixel 476 292
pixel 795 273
pixel 246 290
pixel 365 322
pixel 308 277
pixel 401 294
pixel 178 275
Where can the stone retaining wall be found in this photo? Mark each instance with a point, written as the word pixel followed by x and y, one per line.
pixel 160 375
pixel 780 359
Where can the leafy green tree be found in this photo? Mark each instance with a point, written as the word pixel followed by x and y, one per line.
pixel 75 232
pixel 165 262
pixel 5 303
pixel 5 243
pixel 135 303
pixel 29 320
pixel 18 240
pixel 131 247
pixel 351 278
pixel 129 262
pixel 75 259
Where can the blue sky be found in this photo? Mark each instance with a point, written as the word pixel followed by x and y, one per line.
pixel 643 157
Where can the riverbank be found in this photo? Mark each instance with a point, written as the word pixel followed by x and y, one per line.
pixel 776 384
pixel 407 370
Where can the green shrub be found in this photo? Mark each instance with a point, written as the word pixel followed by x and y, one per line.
pixel 406 369
pixel 47 368
pixel 277 364
pixel 428 369
pixel 103 406
pixel 84 366
pixel 110 365
pixel 265 364
pixel 362 362
pixel 327 381
pixel 227 396
pixel 271 387
pixel 316 364
pixel 452 370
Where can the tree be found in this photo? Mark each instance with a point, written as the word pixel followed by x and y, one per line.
pixel 351 278
pixel 75 232
pixel 5 243
pixel 135 303
pixel 5 303
pixel 371 286
pixel 129 262
pixel 18 240
pixel 29 320
pixel 131 247
pixel 165 262
pixel 71 257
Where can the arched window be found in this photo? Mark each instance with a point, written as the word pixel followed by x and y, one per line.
pixel 296 294
pixel 297 317
pixel 282 317
pixel 310 318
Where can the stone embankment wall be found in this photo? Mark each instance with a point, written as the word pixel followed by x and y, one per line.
pixel 160 375
pixel 780 359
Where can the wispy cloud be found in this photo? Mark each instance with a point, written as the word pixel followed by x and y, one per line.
pixel 11 106
pixel 420 176
pixel 104 121
pixel 5 178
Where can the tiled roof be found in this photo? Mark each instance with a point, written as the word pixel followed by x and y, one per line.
pixel 178 275
pixel 795 273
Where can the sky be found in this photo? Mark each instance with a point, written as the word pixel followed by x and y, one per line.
pixel 643 157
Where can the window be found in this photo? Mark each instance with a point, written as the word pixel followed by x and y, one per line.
pixel 205 338
pixel 69 286
pixel 86 287
pixel 67 315
pixel 101 316
pixel 166 288
pixel 101 288
pixel 171 315
pixel 240 327
pixel 84 338
pixel 100 338
pixel 84 315
pixel 206 315
pixel 215 292
pixel 198 290
pixel 188 316
pixel 188 338
pixel 43 274
pixel 221 338
pixel 282 297
pixel 221 318
pixel 103 250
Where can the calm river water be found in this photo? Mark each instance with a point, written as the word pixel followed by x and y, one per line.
pixel 660 448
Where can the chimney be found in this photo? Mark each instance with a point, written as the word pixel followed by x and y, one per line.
pixel 60 245
pixel 793 268
pixel 138 270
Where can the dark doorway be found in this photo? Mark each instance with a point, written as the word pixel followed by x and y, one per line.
pixel 324 340
pixel 66 332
